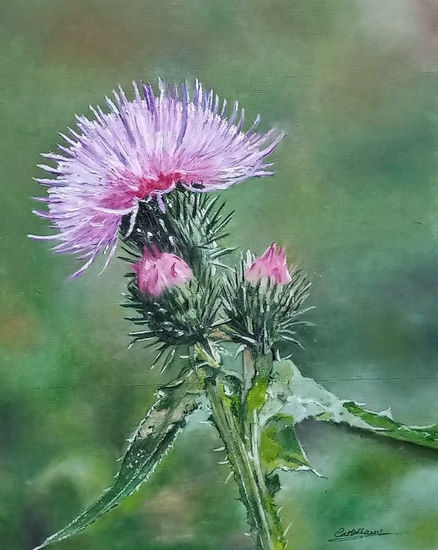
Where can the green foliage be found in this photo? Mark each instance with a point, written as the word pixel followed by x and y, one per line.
pixel 257 394
pixel 384 424
pixel 305 398
pixel 255 488
pixel 279 446
pixel 257 445
pixel 153 438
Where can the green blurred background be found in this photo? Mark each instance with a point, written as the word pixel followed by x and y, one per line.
pixel 354 84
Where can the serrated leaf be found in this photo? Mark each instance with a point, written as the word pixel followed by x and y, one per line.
pixel 426 436
pixel 304 398
pixel 153 438
pixel 280 447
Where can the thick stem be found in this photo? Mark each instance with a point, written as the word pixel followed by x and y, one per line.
pixel 242 450
pixel 236 419
pixel 259 367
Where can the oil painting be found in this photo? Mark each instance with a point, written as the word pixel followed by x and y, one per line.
pixel 219 275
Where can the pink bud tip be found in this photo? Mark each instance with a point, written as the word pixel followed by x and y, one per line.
pixel 271 265
pixel 157 271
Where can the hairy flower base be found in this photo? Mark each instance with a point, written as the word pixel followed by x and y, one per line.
pixel 180 316
pixel 261 314
pixel 192 227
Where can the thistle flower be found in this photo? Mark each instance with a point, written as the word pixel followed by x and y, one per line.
pixel 141 150
pixel 185 316
pixel 157 271
pixel 271 265
pixel 262 301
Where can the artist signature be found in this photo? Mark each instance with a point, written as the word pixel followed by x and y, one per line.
pixel 357 533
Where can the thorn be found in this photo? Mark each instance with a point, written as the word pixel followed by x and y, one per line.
pixel 219 449
pixel 280 508
pixel 387 413
pixel 286 531
pixel 226 461
pixel 247 534
pixel 229 476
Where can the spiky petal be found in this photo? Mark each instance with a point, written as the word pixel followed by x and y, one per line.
pixel 141 150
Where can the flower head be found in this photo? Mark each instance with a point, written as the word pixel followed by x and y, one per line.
pixel 271 265
pixel 262 301
pixel 157 271
pixel 141 150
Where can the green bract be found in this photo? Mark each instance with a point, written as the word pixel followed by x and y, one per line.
pixel 262 315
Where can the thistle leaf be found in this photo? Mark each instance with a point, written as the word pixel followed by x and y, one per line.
pixel 427 436
pixel 304 398
pixel 279 390
pixel 280 447
pixel 153 438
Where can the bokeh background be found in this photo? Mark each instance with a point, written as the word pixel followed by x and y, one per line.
pixel 354 84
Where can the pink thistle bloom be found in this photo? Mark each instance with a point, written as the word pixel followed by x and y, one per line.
pixel 271 265
pixel 157 271
pixel 140 150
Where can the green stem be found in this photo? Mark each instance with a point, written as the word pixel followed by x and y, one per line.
pixel 244 459
pixel 259 367
pixel 236 420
